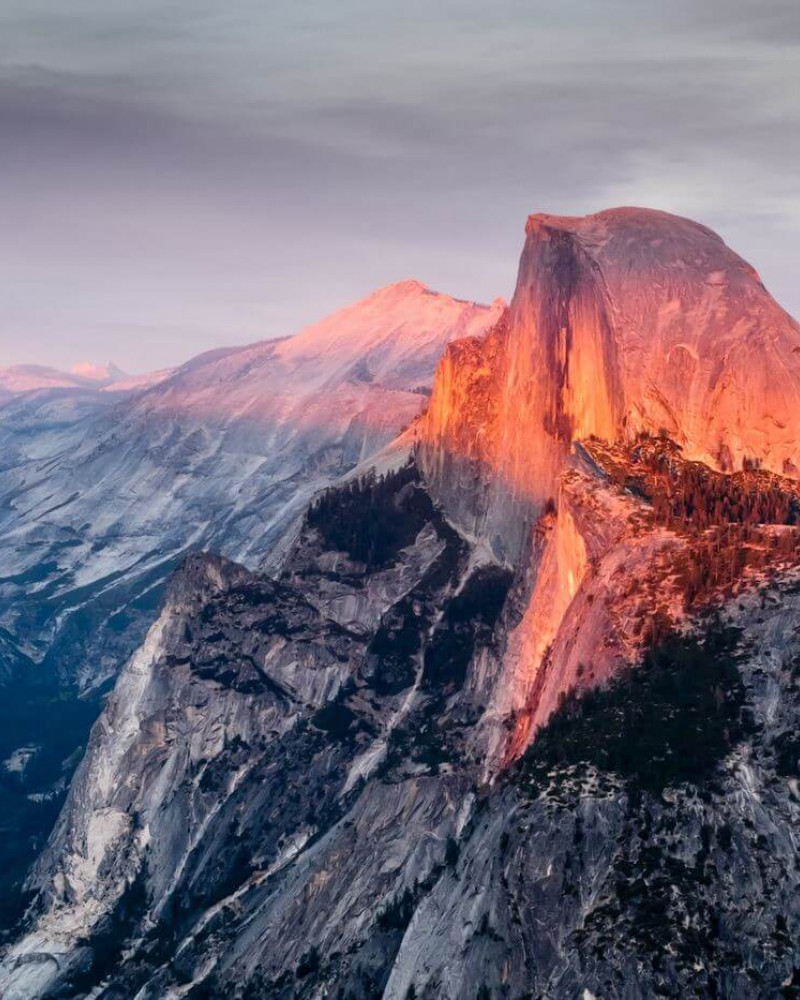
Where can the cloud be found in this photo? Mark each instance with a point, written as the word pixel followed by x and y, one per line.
pixel 213 173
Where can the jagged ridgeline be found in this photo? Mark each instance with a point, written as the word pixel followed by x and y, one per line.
pixel 625 823
pixel 517 719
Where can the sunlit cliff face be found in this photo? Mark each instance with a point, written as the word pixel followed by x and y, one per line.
pixel 561 379
pixel 622 322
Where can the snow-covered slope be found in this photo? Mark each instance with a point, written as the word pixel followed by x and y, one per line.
pixel 85 375
pixel 29 378
pixel 99 501
pixel 135 383
pixel 105 374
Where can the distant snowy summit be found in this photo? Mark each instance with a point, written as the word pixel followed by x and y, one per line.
pixel 18 379
pixel 394 337
pixel 84 375
pixel 104 374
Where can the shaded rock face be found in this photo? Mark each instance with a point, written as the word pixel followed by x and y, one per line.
pixel 570 883
pixel 253 744
pixel 102 494
pixel 283 799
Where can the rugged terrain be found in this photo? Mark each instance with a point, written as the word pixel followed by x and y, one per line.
pixel 622 322
pixel 105 487
pixel 513 716
pixel 101 494
pixel 286 794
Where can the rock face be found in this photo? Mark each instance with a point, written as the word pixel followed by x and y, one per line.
pixel 104 491
pixel 276 804
pixel 573 886
pixel 626 321
pixel 516 719
pixel 101 497
pixel 236 748
pixel 622 323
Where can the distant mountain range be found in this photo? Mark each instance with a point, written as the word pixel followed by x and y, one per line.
pixel 18 379
pixel 101 493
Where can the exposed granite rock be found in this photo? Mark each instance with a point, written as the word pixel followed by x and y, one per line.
pixel 278 805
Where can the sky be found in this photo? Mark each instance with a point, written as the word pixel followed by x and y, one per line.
pixel 177 175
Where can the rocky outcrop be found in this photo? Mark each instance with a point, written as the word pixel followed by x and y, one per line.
pixel 626 321
pixel 102 494
pixel 229 768
pixel 569 884
pixel 584 589
pixel 275 804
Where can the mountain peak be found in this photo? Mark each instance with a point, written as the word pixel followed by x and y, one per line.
pixel 403 327
pixel 643 241
pixel 108 372
pixel 412 290
pixel 626 321
pixel 424 622
pixel 633 217
pixel 17 379
pixel 406 286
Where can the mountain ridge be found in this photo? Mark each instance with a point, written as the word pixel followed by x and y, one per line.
pixel 105 492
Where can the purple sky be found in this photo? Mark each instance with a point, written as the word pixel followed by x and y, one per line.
pixel 179 176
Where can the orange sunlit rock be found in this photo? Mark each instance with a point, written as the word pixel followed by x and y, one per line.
pixel 627 321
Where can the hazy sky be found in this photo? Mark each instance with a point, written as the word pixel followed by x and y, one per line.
pixel 181 175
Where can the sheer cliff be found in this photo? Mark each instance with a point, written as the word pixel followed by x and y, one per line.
pixel 626 321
